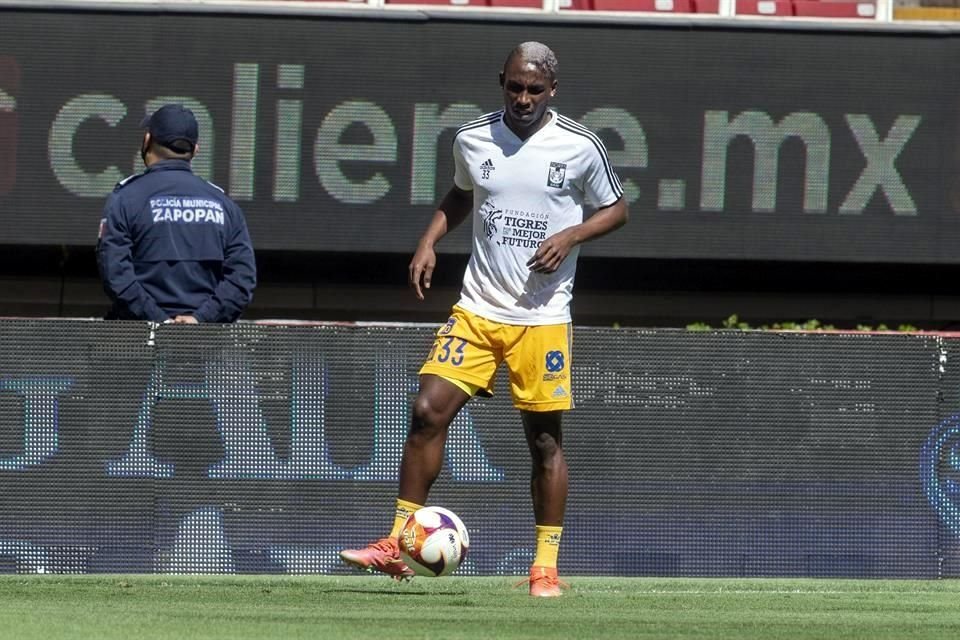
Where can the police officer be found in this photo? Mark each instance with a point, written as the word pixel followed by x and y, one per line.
pixel 173 247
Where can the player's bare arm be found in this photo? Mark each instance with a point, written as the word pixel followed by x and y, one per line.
pixel 554 250
pixel 453 209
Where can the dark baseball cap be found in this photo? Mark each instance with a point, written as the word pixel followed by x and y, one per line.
pixel 174 126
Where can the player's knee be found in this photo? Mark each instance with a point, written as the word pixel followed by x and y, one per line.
pixel 547 449
pixel 427 419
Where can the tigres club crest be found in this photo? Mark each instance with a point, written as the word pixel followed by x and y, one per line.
pixel 555 176
pixel 447 328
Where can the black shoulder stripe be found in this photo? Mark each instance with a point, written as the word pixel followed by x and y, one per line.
pixel 486 116
pixel 573 123
pixel 482 121
pixel 576 127
pixel 611 174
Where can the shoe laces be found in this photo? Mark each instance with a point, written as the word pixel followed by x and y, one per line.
pixel 387 545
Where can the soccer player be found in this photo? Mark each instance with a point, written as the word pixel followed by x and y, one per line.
pixel 526 173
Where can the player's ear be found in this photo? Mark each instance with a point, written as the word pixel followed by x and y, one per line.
pixel 553 88
pixel 501 79
pixel 196 150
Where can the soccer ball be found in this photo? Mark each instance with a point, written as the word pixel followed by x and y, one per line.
pixel 433 542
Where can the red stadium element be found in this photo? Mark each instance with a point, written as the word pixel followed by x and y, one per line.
pixel 831 9
pixel 448 3
pixel 523 4
pixel 706 6
pixel 571 5
pixel 658 6
pixel 764 8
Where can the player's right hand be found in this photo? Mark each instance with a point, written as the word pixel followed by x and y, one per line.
pixel 421 269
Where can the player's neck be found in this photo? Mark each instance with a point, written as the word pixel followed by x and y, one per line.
pixel 526 132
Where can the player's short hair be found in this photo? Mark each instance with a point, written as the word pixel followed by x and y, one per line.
pixel 537 54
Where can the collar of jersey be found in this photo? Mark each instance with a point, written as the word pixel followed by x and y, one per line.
pixel 169 165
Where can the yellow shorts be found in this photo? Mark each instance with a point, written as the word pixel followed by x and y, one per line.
pixel 469 349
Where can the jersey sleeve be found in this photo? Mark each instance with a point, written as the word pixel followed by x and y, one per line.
pixel 461 174
pixel 600 182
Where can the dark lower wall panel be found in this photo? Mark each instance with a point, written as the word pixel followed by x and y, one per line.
pixel 263 448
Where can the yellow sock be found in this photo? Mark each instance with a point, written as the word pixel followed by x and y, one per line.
pixel 404 509
pixel 548 546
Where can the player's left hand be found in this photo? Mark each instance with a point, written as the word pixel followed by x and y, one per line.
pixel 185 320
pixel 551 253
pixel 421 269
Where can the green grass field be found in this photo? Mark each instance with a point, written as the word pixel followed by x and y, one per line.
pixel 258 607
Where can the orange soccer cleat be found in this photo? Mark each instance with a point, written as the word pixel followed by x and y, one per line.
pixel 382 555
pixel 544 582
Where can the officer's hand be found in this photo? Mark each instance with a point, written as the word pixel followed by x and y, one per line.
pixel 185 320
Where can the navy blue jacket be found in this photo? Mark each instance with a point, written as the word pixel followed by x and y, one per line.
pixel 174 244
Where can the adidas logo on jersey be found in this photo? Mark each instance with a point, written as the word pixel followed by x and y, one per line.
pixel 486 168
pixel 559 392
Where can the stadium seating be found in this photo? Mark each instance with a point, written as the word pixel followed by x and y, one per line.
pixel 662 6
pixel 834 9
pixel 937 14
pixel 706 6
pixel 774 8
pixel 449 3
pixel 830 9
pixel 764 8
pixel 575 5
pixel 863 9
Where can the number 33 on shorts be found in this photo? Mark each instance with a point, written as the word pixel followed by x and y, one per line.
pixel 448 350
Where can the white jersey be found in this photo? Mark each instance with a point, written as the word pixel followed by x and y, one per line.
pixel 524 191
